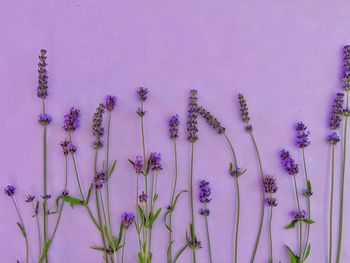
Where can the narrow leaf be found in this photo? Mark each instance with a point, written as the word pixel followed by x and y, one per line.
pixel 112 168
pixel 291 224
pixel 179 253
pixel 23 231
pixel 73 201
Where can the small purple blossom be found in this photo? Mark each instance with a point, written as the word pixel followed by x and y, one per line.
pixel 72 148
pixel 194 244
pixel 44 119
pixel 64 193
pixel 271 201
pixel 138 164
pixel 97 128
pixel 71 120
pixel 64 144
pixel 333 138
pixel 204 192
pixel 346 68
pixel 192 118
pixel 142 94
pixel 155 164
pixel 174 126
pixel 302 135
pixel 298 215
pixel 269 185
pixel 244 108
pixel 42 89
pixel 46 196
pixel 336 113
pixel 288 163
pixel 143 198
pixel 205 211
pixel 110 102
pixel 99 180
pixel 30 198
pixel 127 219
pixel 10 190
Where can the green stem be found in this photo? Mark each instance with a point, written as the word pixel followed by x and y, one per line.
pixel 238 217
pixel 124 243
pixel 107 163
pixel 192 203
pixel 38 227
pixel 301 225
pixel 45 184
pixel 341 215
pixel 22 224
pixel 103 210
pixel 172 200
pixel 270 230
pixel 100 224
pixel 331 210
pixel 208 235
pixel 262 215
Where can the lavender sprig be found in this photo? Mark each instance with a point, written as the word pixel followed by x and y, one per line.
pixel 97 128
pixel 211 120
pixel 302 135
pixel 71 120
pixel 42 89
pixel 127 220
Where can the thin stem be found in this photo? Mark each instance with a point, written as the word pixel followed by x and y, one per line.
pixel 238 216
pixel 38 227
pixel 208 235
pixel 100 223
pixel 270 230
pixel 341 215
pixel 107 171
pixel 308 203
pixel 124 243
pixel 103 209
pixel 331 210
pixel 22 224
pixel 262 215
pixel 192 202
pixel 45 183
pixel 172 200
pixel 300 222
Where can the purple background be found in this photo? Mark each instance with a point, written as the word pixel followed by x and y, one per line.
pixel 285 56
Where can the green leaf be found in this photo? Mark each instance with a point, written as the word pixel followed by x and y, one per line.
pixel 179 253
pixel 231 168
pixel 293 258
pixel 120 235
pixel 168 256
pixel 73 201
pixel 308 221
pixel 309 188
pixel 291 224
pixel 23 231
pixel 45 249
pixel 307 253
pixel 89 194
pixel 154 217
pixel 149 258
pixel 112 168
pixel 140 257
pixel 143 217
pixel 98 248
pixel 155 197
pixel 242 172
pixel 110 242
pixel 132 162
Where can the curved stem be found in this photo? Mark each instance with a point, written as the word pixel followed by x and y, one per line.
pixel 331 210
pixel 270 230
pixel 308 204
pixel 208 235
pixel 341 215
pixel 262 215
pixel 22 224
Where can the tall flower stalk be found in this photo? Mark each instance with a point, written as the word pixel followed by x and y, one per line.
pixel 333 139
pixel 234 170
pixel 249 128
pixel 346 114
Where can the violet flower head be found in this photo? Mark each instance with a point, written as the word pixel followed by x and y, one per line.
pixel 333 138
pixel 211 120
pixel 64 193
pixel 337 110
pixel 99 180
pixel 270 185
pixel 71 120
pixel 288 163
pixel 155 164
pixel 97 128
pixel 64 144
pixel 174 126
pixel 298 215
pixel 302 135
pixel 271 201
pixel 143 198
pixel 244 108
pixel 142 94
pixel 346 68
pixel 127 219
pixel 30 198
pixel 42 89
pixel 10 190
pixel 204 192
pixel 110 103
pixel 44 119
pixel 192 118
pixel 204 212
pixel 138 164
pixel 46 196
pixel 72 148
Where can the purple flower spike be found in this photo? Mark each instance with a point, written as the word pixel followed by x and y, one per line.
pixel 64 144
pixel 298 215
pixel 143 198
pixel 142 93
pixel 71 120
pixel 174 126
pixel 44 119
pixel 271 201
pixel 30 198
pixel 270 185
pixel 211 120
pixel 42 89
pixel 138 164
pixel 337 110
pixel 333 138
pixel 204 192
pixel 99 180
pixel 244 108
pixel 110 102
pixel 192 117
pixel 205 212
pixel 302 135
pixel 288 163
pixel 155 162
pixel 10 190
pixel 97 128
pixel 346 68
pixel 72 148
pixel 127 219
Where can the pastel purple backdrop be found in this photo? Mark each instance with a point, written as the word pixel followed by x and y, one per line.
pixel 285 56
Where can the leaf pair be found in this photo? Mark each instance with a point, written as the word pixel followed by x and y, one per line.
pixel 171 209
pixel 295 258
pixel 295 221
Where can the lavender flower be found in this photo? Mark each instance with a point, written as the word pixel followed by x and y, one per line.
pixel 244 110
pixel 42 89
pixel 64 144
pixel 205 211
pixel 97 128
pixel 143 198
pixel 138 164
pixel 288 163
pixel 46 197
pixel 333 138
pixel 270 185
pixel 205 191
pixel 142 93
pixel 10 190
pixel 174 126
pixel 30 198
pixel 72 148
pixel 271 201
pixel 44 119
pixel 211 120
pixel 192 118
pixel 99 180
pixel 346 68
pixel 71 120
pixel 155 164
pixel 127 219
pixel 336 112
pixel 194 244
pixel 298 215
pixel 302 135
pixel 110 102
pixel 64 193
